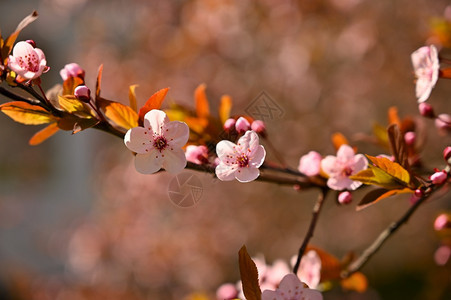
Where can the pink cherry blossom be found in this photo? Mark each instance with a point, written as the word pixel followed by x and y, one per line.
pixel 197 154
pixel 28 62
pixel 310 164
pixel 72 70
pixel 291 288
pixel 310 269
pixel 227 291
pixel 158 144
pixel 439 177
pixel 229 124
pixel 242 125
pixel 340 167
pixel 426 66
pixel 240 161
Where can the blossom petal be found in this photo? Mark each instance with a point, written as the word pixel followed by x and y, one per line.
pixel 177 133
pixel 155 120
pixel 259 157
pixel 340 183
pixel 225 148
pixel 249 141
pixel 246 174
pixel 329 165
pixel 174 160
pixel 149 163
pixel 138 140
pixel 225 172
pixel 360 163
pixel 345 153
pixel 270 295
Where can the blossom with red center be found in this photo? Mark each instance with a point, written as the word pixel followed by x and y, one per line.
pixel 426 65
pixel 291 288
pixel 240 161
pixel 158 144
pixel 27 62
pixel 340 167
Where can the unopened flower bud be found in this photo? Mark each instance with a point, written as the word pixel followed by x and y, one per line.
pixel 443 122
pixel 229 124
pixel 447 154
pixel 442 255
pixel 426 110
pixel 259 127
pixel 442 222
pixel 242 125
pixel 410 137
pixel 83 93
pixel 31 42
pixel 72 70
pixel 418 193
pixel 227 291
pixel 345 197
pixel 438 177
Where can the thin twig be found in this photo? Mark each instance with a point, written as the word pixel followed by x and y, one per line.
pixel 315 214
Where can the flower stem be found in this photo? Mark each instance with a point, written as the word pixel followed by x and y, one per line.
pixel 316 210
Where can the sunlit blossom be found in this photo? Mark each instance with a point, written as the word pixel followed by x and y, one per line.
pixel 158 144
pixel 340 167
pixel 27 61
pixel 240 161
pixel 291 288
pixel 426 66
pixel 310 164
pixel 72 70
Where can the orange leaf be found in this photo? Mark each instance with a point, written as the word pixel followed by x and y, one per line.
pixel 9 42
pixel 393 117
pixel 392 168
pixel 398 145
pixel 154 102
pixel 224 108
pixel 26 113
pixel 376 195
pixel 338 140
pixel 75 106
pixel 122 115
pixel 356 282
pixel 330 265
pixel 202 107
pixel 70 84
pixel 75 124
pixel 249 275
pixel 132 97
pixel 43 134
pixel 99 82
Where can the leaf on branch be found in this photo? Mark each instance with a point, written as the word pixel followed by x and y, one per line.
pixel 43 134
pixel 202 106
pixel 249 275
pixel 378 194
pixel 356 282
pixel 393 116
pixel 75 106
pixel 224 108
pixel 132 97
pixel 154 102
pixel 26 113
pixel 384 173
pixel 70 84
pixel 99 82
pixel 398 146
pixel 338 139
pixel 9 42
pixel 76 124
pixel 330 265
pixel 122 115
pixel 380 132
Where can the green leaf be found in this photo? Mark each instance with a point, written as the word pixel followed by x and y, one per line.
pixel 26 113
pixel 249 276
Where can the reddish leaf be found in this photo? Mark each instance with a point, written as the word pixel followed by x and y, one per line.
pixel 154 102
pixel 76 124
pixel 249 275
pixel 393 117
pixel 70 84
pixel 376 195
pixel 122 115
pixel 392 168
pixel 398 146
pixel 43 134
pixel 26 113
pixel 202 106
pixel 356 282
pixel 330 265
pixel 99 82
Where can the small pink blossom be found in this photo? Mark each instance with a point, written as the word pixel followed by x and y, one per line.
pixel 83 93
pixel 242 125
pixel 227 291
pixel 310 164
pixel 447 153
pixel 27 62
pixel 340 167
pixel 426 66
pixel 259 127
pixel 229 124
pixel 438 177
pixel 240 161
pixel 442 255
pixel 275 273
pixel 410 137
pixel 291 288
pixel 443 122
pixel 72 70
pixel 426 110
pixel 442 222
pixel 158 144
pixel 310 269
pixel 197 154
pixel 345 197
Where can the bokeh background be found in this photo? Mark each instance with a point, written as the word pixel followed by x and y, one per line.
pixel 78 222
